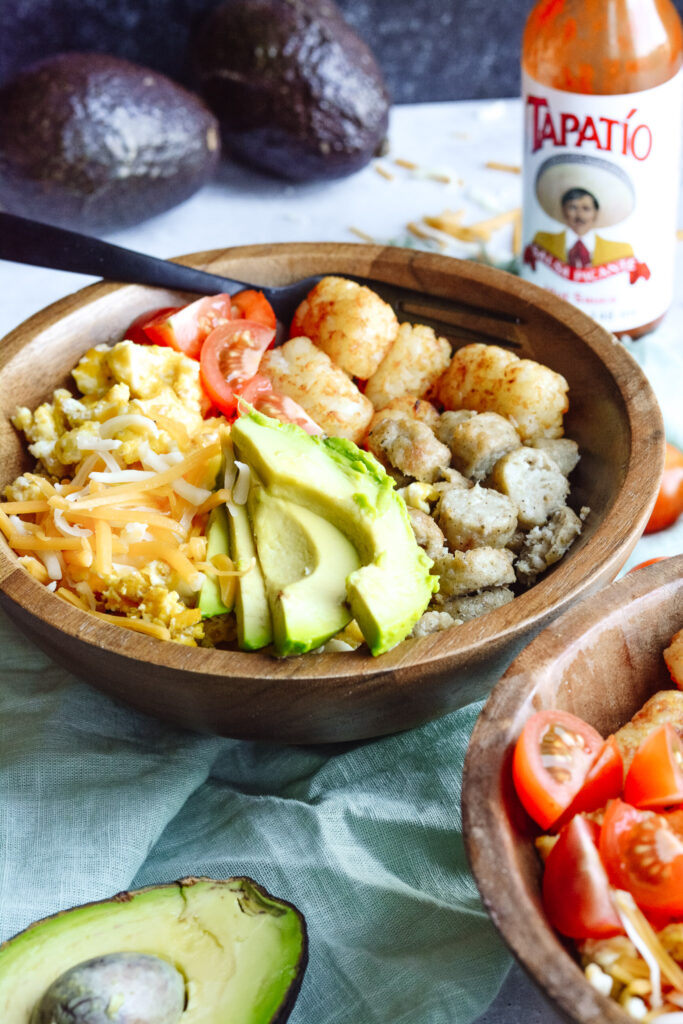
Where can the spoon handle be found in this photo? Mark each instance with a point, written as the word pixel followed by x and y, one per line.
pixel 42 245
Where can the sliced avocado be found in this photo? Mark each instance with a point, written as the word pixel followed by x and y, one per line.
pixel 336 480
pixel 210 601
pixel 254 625
pixel 241 952
pixel 305 562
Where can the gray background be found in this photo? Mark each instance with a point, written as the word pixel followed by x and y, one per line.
pixel 428 49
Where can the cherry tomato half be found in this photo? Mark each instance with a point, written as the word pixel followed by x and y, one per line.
pixel 603 782
pixel 576 891
pixel 551 760
pixel 650 561
pixel 136 330
pixel 643 853
pixel 253 305
pixel 655 777
pixel 669 503
pixel 187 328
pixel 229 358
pixel 285 409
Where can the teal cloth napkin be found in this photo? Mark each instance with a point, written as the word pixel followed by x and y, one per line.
pixel 365 840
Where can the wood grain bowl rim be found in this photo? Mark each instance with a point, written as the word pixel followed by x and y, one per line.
pixel 489 841
pixel 615 537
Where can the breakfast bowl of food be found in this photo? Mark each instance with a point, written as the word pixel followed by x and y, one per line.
pixel 310 527
pixel 572 797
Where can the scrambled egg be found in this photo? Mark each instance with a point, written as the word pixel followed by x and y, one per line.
pixel 126 380
pixel 133 399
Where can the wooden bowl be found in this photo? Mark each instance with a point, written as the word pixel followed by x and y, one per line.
pixel 336 697
pixel 600 660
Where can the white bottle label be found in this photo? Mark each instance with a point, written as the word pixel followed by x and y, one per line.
pixel 601 183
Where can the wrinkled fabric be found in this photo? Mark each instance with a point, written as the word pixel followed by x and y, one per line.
pixel 365 839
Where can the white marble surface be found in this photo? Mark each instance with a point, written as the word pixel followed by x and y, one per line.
pixel 454 139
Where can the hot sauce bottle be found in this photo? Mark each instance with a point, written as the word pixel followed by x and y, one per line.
pixel 602 90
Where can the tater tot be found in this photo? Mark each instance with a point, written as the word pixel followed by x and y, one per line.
pixel 301 371
pixel 412 365
pixel 487 378
pixel 349 322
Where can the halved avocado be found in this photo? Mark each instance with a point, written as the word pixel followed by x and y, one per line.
pixel 242 952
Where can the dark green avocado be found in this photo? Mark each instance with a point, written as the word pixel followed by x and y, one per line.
pixel 94 142
pixel 296 91
pixel 200 950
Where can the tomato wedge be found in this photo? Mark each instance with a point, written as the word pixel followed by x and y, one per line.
pixel 186 329
pixel 643 853
pixel 285 409
pixel 136 331
pixel 603 782
pixel 669 503
pixel 253 305
pixel 655 777
pixel 230 357
pixel 576 891
pixel 551 760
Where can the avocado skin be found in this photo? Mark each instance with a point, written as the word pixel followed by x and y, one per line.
pixel 94 142
pixel 254 900
pixel 296 91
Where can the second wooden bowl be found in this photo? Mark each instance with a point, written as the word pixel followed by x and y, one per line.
pixel 613 416
pixel 601 661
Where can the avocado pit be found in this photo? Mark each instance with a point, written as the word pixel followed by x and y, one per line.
pixel 119 988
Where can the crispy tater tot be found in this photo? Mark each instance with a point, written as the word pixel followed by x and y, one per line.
pixel 412 365
pixel 349 322
pixel 487 378
pixel 673 656
pixel 303 372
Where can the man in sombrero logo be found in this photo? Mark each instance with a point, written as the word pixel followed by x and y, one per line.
pixel 587 195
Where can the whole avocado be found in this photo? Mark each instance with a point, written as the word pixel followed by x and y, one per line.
pixel 296 91
pixel 94 142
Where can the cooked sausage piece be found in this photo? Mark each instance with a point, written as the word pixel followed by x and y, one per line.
pixel 410 447
pixel 533 482
pixel 476 518
pixel 461 572
pixel 478 442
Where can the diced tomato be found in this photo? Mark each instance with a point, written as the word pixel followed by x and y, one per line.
pixel 655 777
pixel 603 782
pixel 643 853
pixel 136 331
pixel 576 891
pixel 551 760
pixel 186 329
pixel 669 503
pixel 253 305
pixel 230 357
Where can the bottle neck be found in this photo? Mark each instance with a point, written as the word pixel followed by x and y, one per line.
pixel 603 46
